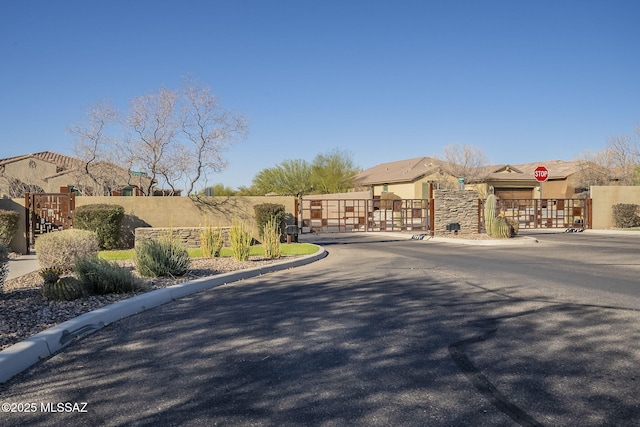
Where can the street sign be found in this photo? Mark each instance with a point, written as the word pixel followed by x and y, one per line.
pixel 541 174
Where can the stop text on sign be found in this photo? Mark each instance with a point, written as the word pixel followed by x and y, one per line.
pixel 541 174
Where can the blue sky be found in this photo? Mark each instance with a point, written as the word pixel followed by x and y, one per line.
pixel 525 81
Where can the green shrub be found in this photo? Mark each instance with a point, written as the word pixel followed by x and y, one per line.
pixel 50 274
pixel 266 212
pixel 159 258
pixel 101 277
pixel 211 242
pixel 4 264
pixel 271 239
pixel 240 240
pixel 626 215
pixel 60 249
pixel 103 219
pixel 9 221
pixel 64 289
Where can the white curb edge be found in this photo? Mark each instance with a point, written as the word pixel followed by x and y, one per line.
pixel 28 352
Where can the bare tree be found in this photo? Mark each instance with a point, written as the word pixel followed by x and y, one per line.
pixel 209 129
pixel 150 146
pixel 94 148
pixel 465 161
pixel 170 139
pixel 617 163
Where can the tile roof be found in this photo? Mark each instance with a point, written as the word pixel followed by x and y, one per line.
pixel 400 171
pixel 63 162
pixel 412 169
pixel 558 169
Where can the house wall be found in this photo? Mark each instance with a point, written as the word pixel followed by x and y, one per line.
pixel 415 189
pixel 405 190
pixel 31 170
pixel 555 190
pixel 605 197
pixel 166 212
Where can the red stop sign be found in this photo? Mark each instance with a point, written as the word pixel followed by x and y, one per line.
pixel 541 174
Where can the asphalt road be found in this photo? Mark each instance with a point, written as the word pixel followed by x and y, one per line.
pixel 381 332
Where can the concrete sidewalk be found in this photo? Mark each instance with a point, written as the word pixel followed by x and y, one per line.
pixel 23 265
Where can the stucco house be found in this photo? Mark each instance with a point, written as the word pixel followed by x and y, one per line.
pixel 52 172
pixel 410 179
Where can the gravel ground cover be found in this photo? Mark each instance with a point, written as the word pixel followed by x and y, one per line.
pixel 24 313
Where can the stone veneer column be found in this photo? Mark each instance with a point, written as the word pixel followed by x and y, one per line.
pixel 452 206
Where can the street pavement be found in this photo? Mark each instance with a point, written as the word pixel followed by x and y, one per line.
pixel 380 332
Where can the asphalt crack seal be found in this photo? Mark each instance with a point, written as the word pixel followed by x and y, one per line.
pixel 484 386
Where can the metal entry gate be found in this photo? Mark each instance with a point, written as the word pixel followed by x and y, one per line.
pixel 46 212
pixel 547 213
pixel 348 215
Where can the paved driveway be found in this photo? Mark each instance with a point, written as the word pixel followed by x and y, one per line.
pixel 381 332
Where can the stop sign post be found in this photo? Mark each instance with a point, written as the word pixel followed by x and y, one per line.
pixel 541 174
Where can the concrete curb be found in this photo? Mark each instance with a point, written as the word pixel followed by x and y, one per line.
pixel 516 241
pixel 24 354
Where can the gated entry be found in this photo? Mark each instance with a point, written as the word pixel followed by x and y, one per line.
pixel 346 215
pixel 46 212
pixel 547 213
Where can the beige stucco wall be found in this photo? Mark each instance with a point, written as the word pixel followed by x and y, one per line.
pixel 404 190
pixel 18 243
pixel 416 189
pixel 167 212
pixel 605 197
pixel 29 170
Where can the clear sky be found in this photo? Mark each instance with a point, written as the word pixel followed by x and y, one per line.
pixel 524 80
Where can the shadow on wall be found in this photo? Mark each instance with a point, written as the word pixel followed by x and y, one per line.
pixel 128 232
pixel 18 243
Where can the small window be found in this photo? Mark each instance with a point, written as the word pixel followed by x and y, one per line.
pixel 127 191
pixel 385 188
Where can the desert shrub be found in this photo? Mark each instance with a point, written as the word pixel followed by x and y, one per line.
pixel 4 264
pixel 625 215
pixel 50 274
pixel 271 239
pixel 240 240
pixel 103 219
pixel 101 277
pixel 266 212
pixel 163 257
pixel 60 249
pixel 64 289
pixel 211 242
pixel 9 221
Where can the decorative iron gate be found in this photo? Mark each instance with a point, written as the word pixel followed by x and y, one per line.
pixel 547 213
pixel 46 212
pixel 347 215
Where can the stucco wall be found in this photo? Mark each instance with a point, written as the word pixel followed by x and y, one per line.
pixel 167 212
pixel 604 198
pixel 30 170
pixel 403 190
